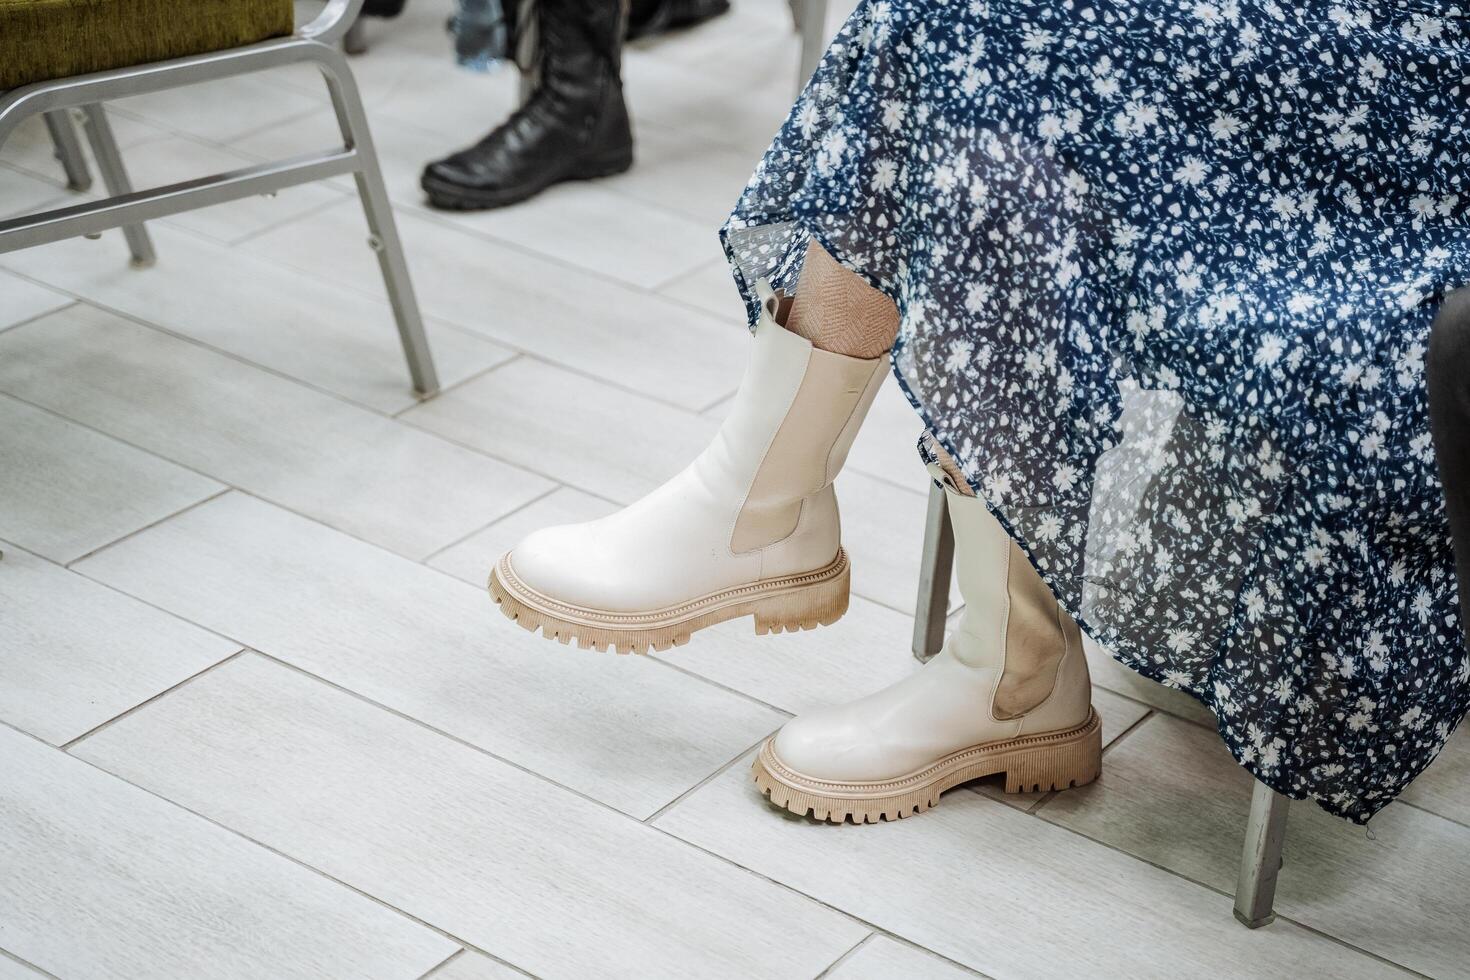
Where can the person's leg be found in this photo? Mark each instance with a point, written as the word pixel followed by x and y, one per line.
pixel 1447 373
pixel 750 528
pixel 1009 693
pixel 838 311
pixel 573 127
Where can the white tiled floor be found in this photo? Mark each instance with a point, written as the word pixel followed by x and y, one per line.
pixel 259 720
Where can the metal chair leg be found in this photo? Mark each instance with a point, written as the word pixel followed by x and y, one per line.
pixel 115 178
pixel 382 229
pixel 1260 861
pixel 811 21
pixel 355 40
pixel 69 149
pixel 935 568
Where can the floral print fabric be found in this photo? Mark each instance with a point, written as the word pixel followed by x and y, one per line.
pixel 1166 271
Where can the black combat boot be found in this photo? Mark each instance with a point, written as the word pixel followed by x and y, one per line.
pixel 574 127
pixel 649 17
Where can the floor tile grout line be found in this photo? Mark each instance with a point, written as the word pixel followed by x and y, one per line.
pixel 223 489
pixel 827 971
pixel 442 963
pixel 429 558
pixel 614 810
pixel 1230 896
pixel 306 212
pixel 406 422
pixel 706 780
pixel 1048 796
pixel 284 120
pixel 288 508
pixel 474 332
pixel 844 913
pixel 449 223
pixel 102 726
pixel 1422 809
pixel 443 733
pixel 759 702
pixel 515 355
pixel 42 315
pixel 122 314
pixel 267 847
pixel 600 804
pixel 133 598
pixel 7 954
pixel 296 270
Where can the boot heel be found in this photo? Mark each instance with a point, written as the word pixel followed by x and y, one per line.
pixel 1060 761
pixel 805 606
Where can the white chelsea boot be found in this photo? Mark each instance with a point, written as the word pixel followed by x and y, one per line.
pixel 1009 692
pixel 749 528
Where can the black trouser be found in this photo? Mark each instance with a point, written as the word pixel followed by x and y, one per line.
pixel 1447 371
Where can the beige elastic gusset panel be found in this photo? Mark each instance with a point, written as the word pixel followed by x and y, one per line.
pixel 1039 633
pixel 838 311
pixel 834 390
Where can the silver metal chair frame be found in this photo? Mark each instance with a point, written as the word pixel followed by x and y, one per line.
pixel 314 43
pixel 1265 830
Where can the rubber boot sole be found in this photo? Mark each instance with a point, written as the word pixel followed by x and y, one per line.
pixel 1033 763
pixel 456 197
pixel 785 604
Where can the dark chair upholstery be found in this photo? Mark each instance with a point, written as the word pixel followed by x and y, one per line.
pixel 45 39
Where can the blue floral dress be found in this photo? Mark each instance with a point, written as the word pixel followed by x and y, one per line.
pixel 1166 271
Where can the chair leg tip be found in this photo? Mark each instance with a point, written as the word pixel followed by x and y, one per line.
pixel 1250 923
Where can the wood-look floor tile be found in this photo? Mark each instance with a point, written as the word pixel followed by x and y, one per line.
pixel 883 531
pixel 600 327
pixel 173 158
pixel 555 884
pixel 103 879
pixel 708 287
pixel 1172 795
pixel 472 558
pixel 886 446
pixel 13 969
pixel 374 477
pixel 195 109
pixel 303 325
pixel 473 966
pixel 1444 788
pixel 1117 714
pixel 1005 893
pixel 696 178
pixel 626 730
pixel 21 300
pixel 74 654
pixel 881 958
pixel 25 193
pixel 66 490
pixel 866 650
pixel 572 428
pixel 1108 673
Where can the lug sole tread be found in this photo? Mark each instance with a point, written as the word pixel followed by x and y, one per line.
pixel 779 605
pixel 1032 763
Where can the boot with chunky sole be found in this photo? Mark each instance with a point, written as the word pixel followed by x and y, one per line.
pixel 750 528
pixel 1009 693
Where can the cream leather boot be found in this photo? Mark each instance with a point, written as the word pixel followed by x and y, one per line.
pixel 749 528
pixel 1009 692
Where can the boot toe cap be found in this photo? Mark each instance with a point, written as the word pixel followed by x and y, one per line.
pixel 548 562
pixel 831 744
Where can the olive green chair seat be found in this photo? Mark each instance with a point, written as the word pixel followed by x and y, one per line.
pixel 46 39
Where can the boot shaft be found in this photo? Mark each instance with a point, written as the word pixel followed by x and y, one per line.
pixel 790 428
pixel 1011 621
